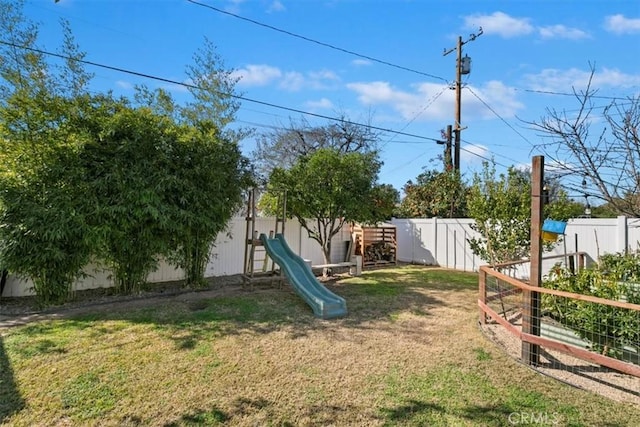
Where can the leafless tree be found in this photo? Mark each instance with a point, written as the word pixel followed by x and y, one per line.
pixel 282 147
pixel 604 160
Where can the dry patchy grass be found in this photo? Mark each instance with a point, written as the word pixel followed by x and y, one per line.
pixel 409 353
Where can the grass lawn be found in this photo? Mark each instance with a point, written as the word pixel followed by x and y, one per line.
pixel 409 353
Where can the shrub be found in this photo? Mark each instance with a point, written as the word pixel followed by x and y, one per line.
pixel 607 328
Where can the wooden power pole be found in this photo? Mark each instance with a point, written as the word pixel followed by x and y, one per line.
pixel 463 66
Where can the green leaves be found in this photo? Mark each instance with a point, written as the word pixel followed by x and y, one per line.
pixel 607 328
pixel 330 188
pixel 435 193
pixel 91 177
pixel 501 208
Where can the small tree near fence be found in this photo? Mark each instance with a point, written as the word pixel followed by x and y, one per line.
pixel 501 208
pixel 328 189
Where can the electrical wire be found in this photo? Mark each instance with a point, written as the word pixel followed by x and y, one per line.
pixel 549 92
pixel 308 39
pixel 422 110
pixel 191 86
pixel 499 116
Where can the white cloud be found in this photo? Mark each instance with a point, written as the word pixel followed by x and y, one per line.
pixel 431 101
pixel 407 104
pixel 619 24
pixel 315 80
pixel 175 88
pixel 506 26
pixel 292 81
pixel 474 153
pixel 257 75
pixel 555 80
pixel 499 23
pixel 263 75
pixel 361 62
pixel 276 6
pixel 501 98
pixel 561 32
pixel 234 6
pixel 323 75
pixel 321 104
pixel 124 85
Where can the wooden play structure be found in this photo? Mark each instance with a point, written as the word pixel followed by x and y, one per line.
pixel 257 265
pixel 376 244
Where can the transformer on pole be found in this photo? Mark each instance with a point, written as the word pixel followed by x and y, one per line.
pixel 463 66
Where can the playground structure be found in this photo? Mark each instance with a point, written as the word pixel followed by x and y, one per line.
pixel 375 244
pixel 257 265
pixel 273 249
pixel 324 303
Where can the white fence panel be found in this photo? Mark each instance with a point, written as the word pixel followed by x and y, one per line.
pixel 429 241
pixel 227 257
pixel 444 242
pixel 412 236
pixel 437 241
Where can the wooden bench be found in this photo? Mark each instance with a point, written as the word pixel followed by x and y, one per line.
pixel 338 265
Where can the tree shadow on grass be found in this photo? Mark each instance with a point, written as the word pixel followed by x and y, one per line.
pixel 11 401
pixel 427 413
pixel 188 319
pixel 209 417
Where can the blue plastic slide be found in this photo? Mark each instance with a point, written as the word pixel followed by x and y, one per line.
pixel 325 304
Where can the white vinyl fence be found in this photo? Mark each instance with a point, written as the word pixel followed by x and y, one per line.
pixel 432 241
pixel 443 242
pixel 227 257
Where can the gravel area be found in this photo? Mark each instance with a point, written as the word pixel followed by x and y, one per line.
pixel 573 371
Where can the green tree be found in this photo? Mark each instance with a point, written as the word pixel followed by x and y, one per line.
pixel 205 196
pixel 43 230
pixel 126 169
pixel 90 176
pixel 441 194
pixel 384 202
pixel 327 189
pixel 501 208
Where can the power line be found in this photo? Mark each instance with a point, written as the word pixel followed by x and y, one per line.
pixel 549 92
pixel 499 116
pixel 422 110
pixel 308 39
pixel 191 86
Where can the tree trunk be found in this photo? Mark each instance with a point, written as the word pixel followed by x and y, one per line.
pixel 326 254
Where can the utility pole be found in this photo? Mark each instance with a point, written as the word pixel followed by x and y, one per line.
pixel 447 158
pixel 446 140
pixel 463 66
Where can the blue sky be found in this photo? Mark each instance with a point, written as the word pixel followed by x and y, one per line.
pixel 530 53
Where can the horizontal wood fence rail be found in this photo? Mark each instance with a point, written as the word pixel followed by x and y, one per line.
pixel 519 286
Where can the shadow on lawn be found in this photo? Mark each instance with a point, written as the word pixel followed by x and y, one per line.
pixel 243 408
pixel 377 295
pixel 10 399
pixel 426 413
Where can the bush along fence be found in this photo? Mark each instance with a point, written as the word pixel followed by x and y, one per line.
pixel 226 258
pixel 428 241
pixel 591 313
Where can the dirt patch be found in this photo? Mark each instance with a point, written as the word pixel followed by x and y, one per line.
pixel 18 311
